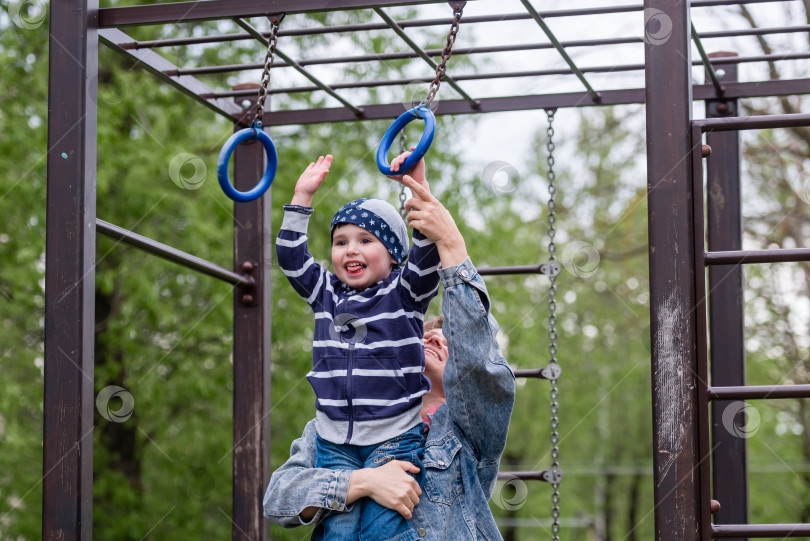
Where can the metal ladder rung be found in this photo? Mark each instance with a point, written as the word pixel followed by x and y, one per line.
pixel 761 530
pixel 530 373
pixel 782 255
pixel 743 392
pixel 545 476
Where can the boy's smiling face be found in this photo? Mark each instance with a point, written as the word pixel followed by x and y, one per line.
pixel 359 258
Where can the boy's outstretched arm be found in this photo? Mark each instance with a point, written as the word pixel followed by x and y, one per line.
pixel 310 180
pixel 307 277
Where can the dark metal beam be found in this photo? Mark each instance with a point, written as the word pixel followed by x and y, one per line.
pixel 487 105
pixel 673 324
pixel 535 101
pixel 702 460
pixel 70 245
pixel 170 254
pixel 228 9
pixel 253 246
pixel 726 306
pixel 158 66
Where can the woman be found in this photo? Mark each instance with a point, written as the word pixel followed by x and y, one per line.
pixel 468 407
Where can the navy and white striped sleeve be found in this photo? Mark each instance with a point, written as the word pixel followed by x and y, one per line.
pixel 420 276
pixel 306 276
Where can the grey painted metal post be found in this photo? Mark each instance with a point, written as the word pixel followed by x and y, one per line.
pixel 67 483
pixel 672 277
pixel 726 307
pixel 251 351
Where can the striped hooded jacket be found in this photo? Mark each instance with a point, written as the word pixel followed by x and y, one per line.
pixel 367 353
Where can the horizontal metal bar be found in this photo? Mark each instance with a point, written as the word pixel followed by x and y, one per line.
pixel 157 65
pixel 171 254
pixel 525 269
pixel 530 372
pixel 227 9
pixel 527 475
pixel 761 530
pixel 734 257
pixel 760 392
pixel 534 101
pixel 754 122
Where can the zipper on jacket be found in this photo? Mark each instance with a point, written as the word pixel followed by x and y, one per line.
pixel 349 393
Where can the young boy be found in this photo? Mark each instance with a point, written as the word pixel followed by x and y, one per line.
pixel 367 351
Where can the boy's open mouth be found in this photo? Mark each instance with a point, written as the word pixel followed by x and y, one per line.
pixel 354 268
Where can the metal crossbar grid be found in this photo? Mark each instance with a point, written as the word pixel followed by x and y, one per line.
pixel 216 9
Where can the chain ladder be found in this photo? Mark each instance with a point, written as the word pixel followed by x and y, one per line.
pixel 553 367
pixel 272 41
pixel 446 52
pixel 403 146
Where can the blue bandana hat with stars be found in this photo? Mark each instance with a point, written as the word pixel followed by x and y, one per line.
pixel 381 219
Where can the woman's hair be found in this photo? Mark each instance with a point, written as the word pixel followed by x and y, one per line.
pixel 435 323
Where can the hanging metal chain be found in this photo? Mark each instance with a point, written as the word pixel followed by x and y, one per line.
pixel 446 52
pixel 403 146
pixel 272 41
pixel 553 367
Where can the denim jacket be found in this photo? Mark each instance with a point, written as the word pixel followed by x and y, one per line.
pixel 463 447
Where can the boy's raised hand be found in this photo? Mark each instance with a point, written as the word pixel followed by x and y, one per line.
pixel 417 173
pixel 310 180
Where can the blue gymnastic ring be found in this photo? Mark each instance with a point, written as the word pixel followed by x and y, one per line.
pixel 404 119
pixel 255 133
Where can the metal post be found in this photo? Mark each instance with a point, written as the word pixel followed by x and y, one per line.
pixel 676 452
pixel 726 308
pixel 251 350
pixel 67 481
